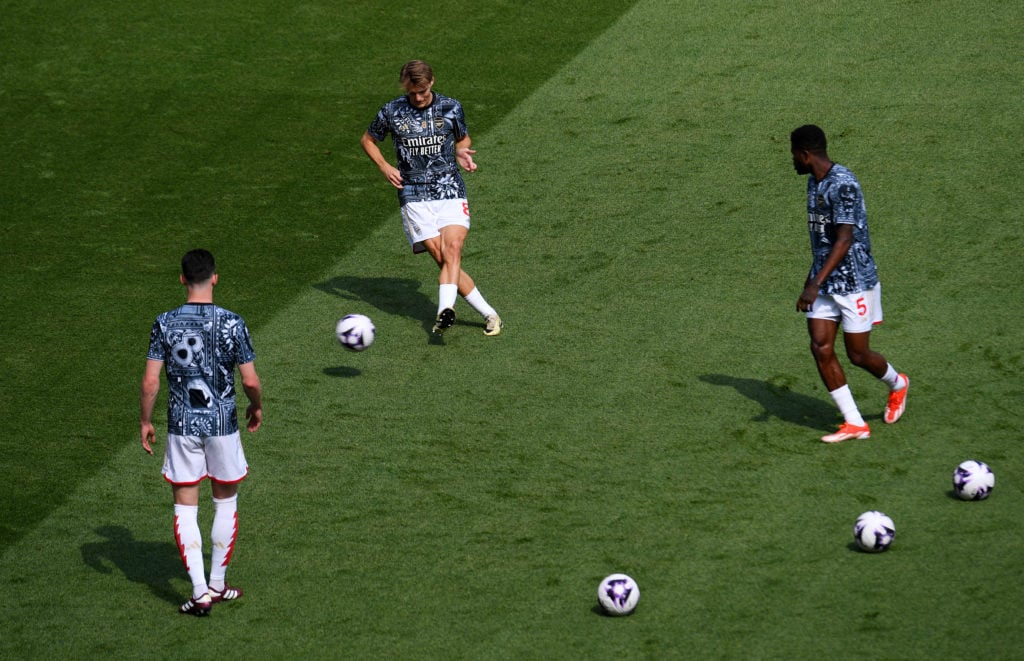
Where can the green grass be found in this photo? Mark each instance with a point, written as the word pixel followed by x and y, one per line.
pixel 652 406
pixel 135 133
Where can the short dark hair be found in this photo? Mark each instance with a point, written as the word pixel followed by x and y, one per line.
pixel 809 137
pixel 198 266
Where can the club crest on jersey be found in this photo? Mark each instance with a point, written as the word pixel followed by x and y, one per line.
pixel 438 123
pixel 821 200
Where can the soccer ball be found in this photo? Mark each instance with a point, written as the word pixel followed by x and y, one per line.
pixel 618 594
pixel 973 480
pixel 874 532
pixel 355 332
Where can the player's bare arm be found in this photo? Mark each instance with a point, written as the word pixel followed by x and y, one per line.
pixel 844 239
pixel 464 155
pixel 390 172
pixel 254 391
pixel 149 391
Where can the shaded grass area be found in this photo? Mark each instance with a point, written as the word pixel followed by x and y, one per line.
pixel 135 133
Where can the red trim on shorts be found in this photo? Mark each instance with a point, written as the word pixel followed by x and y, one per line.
pixel 185 484
pixel 205 477
pixel 213 479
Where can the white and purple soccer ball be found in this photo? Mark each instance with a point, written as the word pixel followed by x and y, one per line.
pixel 973 480
pixel 355 332
pixel 874 532
pixel 618 594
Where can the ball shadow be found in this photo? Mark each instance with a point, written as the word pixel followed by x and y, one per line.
pixel 597 610
pixel 342 372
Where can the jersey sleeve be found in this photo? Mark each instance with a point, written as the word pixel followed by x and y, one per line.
pixel 380 126
pixel 459 129
pixel 156 345
pixel 846 203
pixel 244 351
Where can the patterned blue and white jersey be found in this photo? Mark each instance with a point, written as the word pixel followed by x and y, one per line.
pixel 424 140
pixel 838 200
pixel 200 345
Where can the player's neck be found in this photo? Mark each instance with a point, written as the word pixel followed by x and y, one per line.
pixel 200 295
pixel 820 168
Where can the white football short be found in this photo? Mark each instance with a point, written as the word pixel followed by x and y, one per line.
pixel 191 459
pixel 857 312
pixel 424 220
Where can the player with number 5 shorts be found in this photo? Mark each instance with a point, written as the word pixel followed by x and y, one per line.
pixel 842 287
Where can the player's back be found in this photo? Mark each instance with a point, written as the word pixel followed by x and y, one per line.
pixel 201 344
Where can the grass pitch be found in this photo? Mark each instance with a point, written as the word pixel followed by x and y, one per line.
pixel 651 407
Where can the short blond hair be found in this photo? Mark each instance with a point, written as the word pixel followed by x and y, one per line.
pixel 416 72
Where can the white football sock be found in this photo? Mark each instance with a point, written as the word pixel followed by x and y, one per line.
pixel 223 535
pixel 844 400
pixel 892 378
pixel 446 295
pixel 476 299
pixel 190 545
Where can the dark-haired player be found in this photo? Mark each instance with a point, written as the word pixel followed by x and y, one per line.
pixel 199 345
pixel 842 287
pixel 431 141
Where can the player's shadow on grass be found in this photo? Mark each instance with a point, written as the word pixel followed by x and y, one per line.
pixel 152 564
pixel 778 401
pixel 394 296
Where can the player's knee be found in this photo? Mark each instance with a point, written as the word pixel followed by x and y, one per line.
pixel 860 358
pixel 822 350
pixel 452 247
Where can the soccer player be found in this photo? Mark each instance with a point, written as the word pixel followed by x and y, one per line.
pixel 842 286
pixel 199 345
pixel 431 141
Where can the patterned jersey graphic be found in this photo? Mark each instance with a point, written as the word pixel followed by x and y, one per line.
pixel 837 200
pixel 200 345
pixel 424 140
